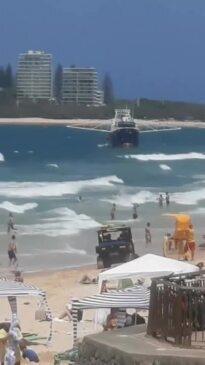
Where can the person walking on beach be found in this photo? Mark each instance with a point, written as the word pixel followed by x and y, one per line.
pixel 148 236
pixel 12 250
pixel 113 212
pixel 191 242
pixel 166 244
pixel 134 213
pixel 10 224
pixel 167 199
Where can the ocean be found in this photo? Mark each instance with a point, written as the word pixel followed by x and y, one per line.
pixel 43 170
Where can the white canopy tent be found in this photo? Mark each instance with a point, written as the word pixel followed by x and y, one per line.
pixel 147 266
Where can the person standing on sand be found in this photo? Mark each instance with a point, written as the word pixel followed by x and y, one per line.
pixel 148 236
pixel 113 212
pixel 166 244
pixel 12 250
pixel 10 224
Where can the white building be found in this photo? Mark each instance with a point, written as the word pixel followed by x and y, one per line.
pixel 34 76
pixel 80 85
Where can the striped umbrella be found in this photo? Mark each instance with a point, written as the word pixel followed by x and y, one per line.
pixel 14 289
pixel 136 297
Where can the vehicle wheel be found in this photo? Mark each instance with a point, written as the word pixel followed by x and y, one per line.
pixel 100 263
pixel 106 263
pixel 129 257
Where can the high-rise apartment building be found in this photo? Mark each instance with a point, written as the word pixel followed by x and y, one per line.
pixel 34 76
pixel 80 85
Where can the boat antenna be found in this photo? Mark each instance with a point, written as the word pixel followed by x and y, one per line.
pixel 133 110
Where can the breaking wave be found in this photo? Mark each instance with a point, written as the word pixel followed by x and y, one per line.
pixel 126 200
pixel 17 208
pixel 1 157
pixel 54 165
pixel 62 222
pixel 47 189
pixel 165 157
pixel 192 197
pixel 165 167
pixel 102 145
pixel 199 211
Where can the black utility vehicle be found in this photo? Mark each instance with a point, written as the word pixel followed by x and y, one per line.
pixel 115 245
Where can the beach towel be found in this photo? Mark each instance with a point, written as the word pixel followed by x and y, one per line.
pixel 34 337
pixel 70 355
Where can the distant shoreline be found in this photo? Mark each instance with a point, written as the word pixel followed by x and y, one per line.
pixel 101 124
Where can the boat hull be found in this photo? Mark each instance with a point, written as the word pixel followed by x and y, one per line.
pixel 124 137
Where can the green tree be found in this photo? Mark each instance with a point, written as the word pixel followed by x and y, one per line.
pixel 58 83
pixel 9 77
pixel 108 89
pixel 2 78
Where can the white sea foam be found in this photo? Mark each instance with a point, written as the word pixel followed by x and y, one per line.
pixel 62 222
pixel 103 145
pixel 17 208
pixel 199 177
pixel 126 200
pixel 165 157
pixel 1 157
pixel 192 197
pixel 16 151
pixel 67 249
pixel 198 211
pixel 54 165
pixel 31 151
pixel 47 189
pixel 165 167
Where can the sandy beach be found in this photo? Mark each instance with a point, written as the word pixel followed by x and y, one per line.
pixel 103 124
pixel 60 286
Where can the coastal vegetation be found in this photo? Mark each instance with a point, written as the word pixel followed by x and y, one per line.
pixel 145 109
pixel 54 109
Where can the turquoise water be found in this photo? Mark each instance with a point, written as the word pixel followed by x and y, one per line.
pixel 44 169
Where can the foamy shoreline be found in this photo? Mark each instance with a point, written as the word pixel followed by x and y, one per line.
pixel 102 124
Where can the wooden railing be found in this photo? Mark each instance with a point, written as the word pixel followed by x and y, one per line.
pixel 177 310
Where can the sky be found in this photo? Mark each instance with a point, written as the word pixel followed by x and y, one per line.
pixel 152 48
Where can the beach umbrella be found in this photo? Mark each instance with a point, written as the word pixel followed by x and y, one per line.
pixel 182 224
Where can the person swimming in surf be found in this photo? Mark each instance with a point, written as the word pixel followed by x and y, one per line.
pixel 167 199
pixel 134 211
pixel 80 198
pixel 160 200
pixel 113 212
